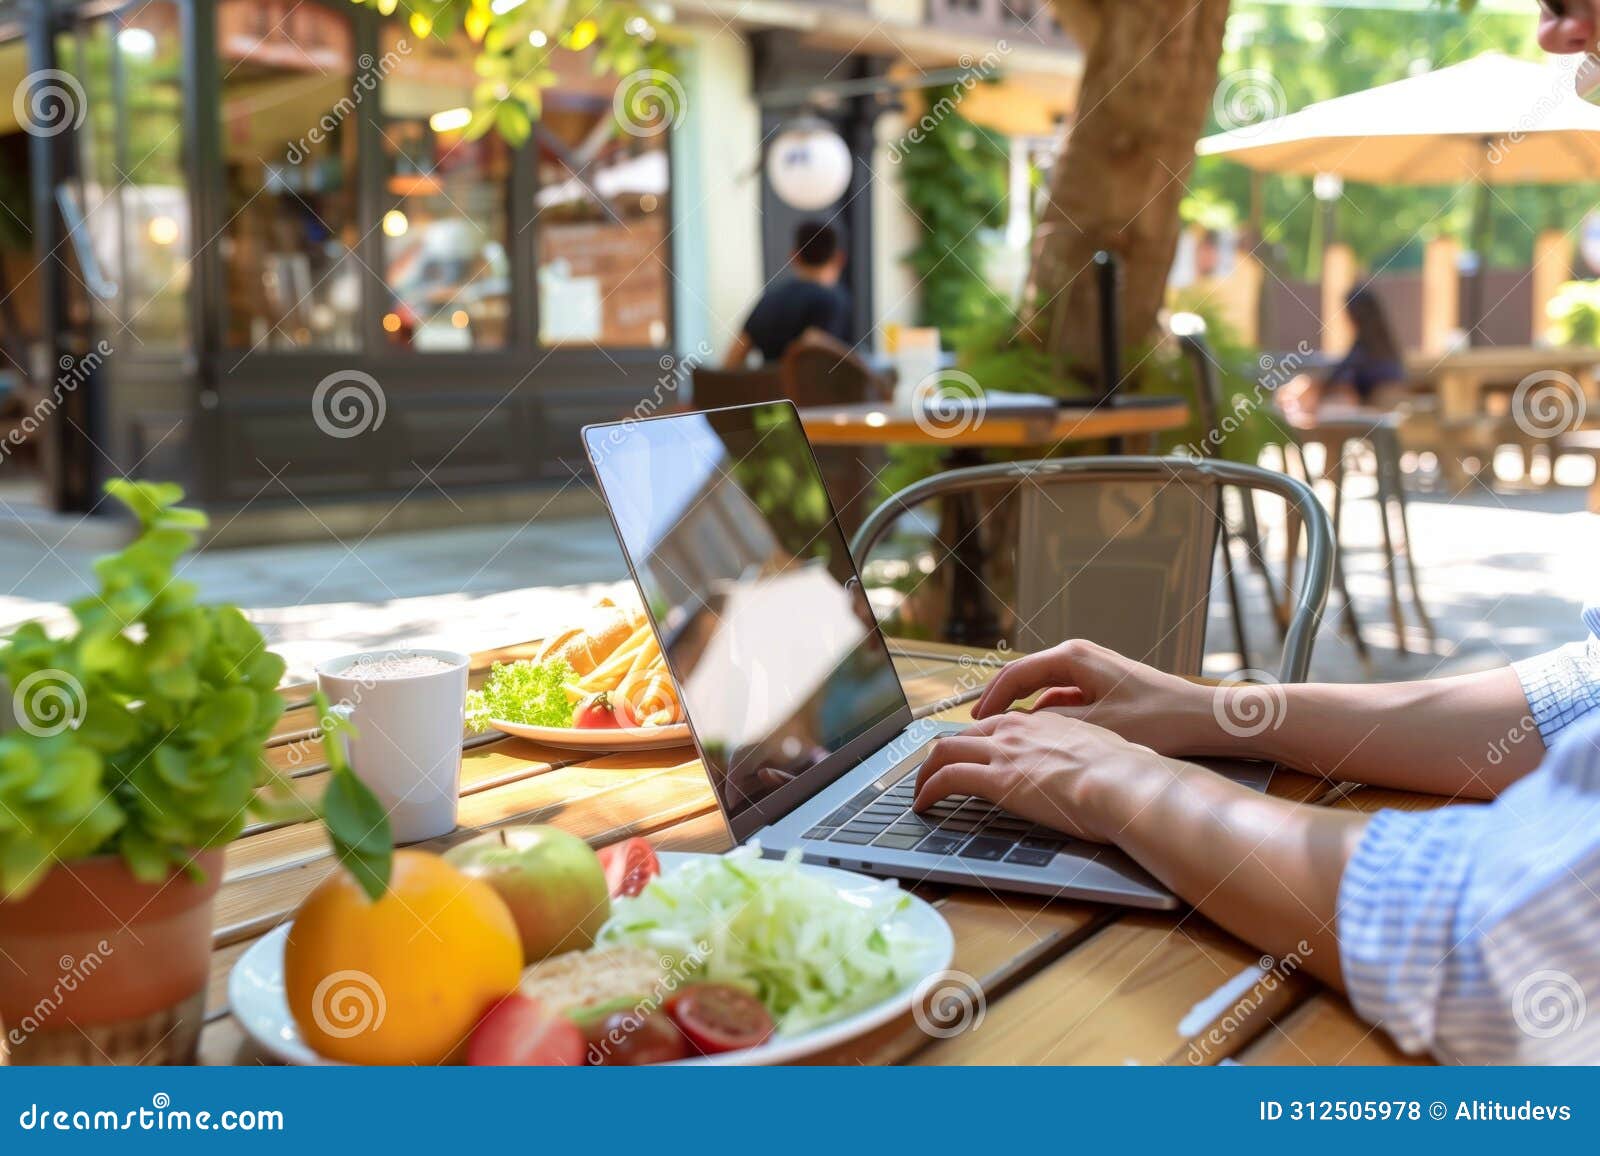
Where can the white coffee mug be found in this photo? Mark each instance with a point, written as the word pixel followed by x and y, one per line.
pixel 407 741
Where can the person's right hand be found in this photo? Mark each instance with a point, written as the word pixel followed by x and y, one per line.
pixel 1082 680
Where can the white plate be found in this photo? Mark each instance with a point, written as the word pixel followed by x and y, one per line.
pixel 256 996
pixel 610 739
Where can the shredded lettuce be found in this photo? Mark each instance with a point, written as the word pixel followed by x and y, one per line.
pixel 811 954
pixel 531 693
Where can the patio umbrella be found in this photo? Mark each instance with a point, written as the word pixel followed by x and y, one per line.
pixel 1493 120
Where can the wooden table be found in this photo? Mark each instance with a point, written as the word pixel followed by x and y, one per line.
pixel 868 425
pixel 1460 379
pixel 1063 982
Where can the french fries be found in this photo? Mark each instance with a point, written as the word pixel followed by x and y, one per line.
pixel 634 674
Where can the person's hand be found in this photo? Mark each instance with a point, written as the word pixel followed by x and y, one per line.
pixel 1081 680
pixel 1058 771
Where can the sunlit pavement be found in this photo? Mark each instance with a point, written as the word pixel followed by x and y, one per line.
pixel 1504 574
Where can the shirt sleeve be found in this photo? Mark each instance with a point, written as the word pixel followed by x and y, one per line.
pixel 1473 932
pixel 1562 686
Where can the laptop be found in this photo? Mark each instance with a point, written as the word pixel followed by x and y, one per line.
pixel 787 681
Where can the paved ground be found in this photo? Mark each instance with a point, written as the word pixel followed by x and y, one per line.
pixel 1504 575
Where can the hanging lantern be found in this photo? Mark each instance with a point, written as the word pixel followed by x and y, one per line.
pixel 809 165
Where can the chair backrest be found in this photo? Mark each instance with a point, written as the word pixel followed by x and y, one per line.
pixel 820 370
pixel 1118 550
pixel 719 388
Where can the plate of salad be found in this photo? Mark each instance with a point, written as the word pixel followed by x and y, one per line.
pixel 601 684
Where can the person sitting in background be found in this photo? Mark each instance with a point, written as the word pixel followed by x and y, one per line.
pixel 809 299
pixel 1371 374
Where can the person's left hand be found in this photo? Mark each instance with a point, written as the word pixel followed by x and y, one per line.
pixel 1058 771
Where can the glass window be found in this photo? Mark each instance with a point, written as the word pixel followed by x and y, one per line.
pixel 602 220
pixel 445 265
pixel 135 240
pixel 290 98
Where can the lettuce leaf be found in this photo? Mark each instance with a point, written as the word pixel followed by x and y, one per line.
pixel 530 693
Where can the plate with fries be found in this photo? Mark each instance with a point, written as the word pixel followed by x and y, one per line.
pixel 599 684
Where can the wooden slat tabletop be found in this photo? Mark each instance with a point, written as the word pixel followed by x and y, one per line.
pixel 1060 981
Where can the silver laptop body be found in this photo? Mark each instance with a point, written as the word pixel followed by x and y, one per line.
pixel 791 696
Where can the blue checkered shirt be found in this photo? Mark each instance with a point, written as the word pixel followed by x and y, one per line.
pixel 1473 932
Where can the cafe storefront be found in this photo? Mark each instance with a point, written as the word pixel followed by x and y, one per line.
pixel 258 234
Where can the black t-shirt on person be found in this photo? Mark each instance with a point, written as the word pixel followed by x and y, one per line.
pixel 791 307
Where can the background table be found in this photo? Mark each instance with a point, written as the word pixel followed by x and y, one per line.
pixel 874 425
pixel 1063 982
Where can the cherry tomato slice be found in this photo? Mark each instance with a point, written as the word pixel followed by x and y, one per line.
pixel 629 865
pixel 718 1017
pixel 518 1032
pixel 627 1037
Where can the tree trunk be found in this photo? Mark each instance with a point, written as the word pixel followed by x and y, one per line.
pixel 1148 81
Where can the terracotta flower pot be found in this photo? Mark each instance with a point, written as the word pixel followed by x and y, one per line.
pixel 99 968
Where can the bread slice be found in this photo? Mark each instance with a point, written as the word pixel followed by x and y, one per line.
pixel 587 645
pixel 576 979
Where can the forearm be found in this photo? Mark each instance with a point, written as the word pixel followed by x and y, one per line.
pixel 1265 869
pixel 1468 736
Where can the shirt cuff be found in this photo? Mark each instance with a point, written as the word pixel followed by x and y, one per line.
pixel 1397 905
pixel 1561 687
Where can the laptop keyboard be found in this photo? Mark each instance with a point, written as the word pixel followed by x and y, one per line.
pixel 961 825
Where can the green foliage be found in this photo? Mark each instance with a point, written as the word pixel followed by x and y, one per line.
pixel 1314 52
pixel 955 179
pixel 140 733
pixel 358 826
pixel 517 49
pixel 1574 313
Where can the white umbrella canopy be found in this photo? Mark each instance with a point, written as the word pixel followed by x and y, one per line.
pixel 1492 118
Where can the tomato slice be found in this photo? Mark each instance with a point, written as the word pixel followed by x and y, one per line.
pixel 629 865
pixel 718 1017
pixel 517 1032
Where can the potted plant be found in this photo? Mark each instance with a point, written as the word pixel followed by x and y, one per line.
pixel 135 753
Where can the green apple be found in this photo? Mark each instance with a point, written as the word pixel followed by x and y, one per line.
pixel 552 882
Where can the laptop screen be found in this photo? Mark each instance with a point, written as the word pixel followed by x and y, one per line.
pixel 750 584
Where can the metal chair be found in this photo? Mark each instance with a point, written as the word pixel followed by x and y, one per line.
pixel 1120 550
pixel 1210 403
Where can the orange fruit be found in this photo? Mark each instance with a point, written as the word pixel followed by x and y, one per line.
pixel 402 980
